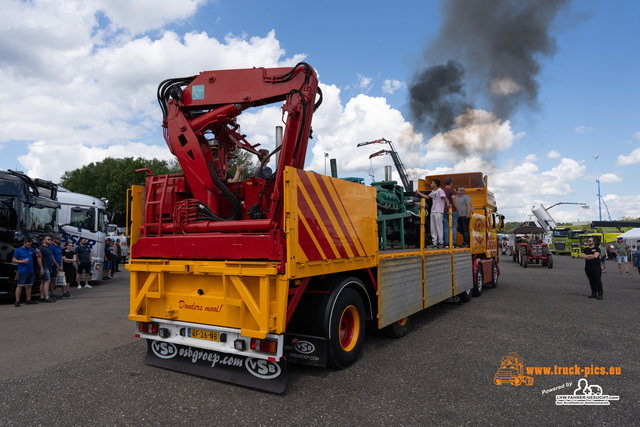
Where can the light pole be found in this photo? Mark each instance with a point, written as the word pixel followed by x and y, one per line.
pixel 326 156
pixel 598 181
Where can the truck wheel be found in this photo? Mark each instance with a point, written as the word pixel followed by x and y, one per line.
pixel 494 274
pixel 397 329
pixel 524 262
pixel 346 329
pixel 477 287
pixel 466 296
pixel 517 381
pixel 550 262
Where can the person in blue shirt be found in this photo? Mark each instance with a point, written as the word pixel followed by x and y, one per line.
pixel 56 251
pixel 47 263
pixel 24 256
pixel 84 262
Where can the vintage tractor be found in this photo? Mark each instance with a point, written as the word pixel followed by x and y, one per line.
pixel 534 250
pixel 530 246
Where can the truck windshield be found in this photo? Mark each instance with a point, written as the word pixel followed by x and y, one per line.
pixel 574 234
pixel 39 218
pixel 7 213
pixel 83 218
pixel 560 233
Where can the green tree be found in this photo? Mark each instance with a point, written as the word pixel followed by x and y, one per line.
pixel 111 178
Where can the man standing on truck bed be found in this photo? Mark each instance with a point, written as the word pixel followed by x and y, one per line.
pixel 591 256
pixel 437 211
pixel 452 199
pixel 464 215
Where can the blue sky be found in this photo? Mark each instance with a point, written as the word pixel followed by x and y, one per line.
pixel 80 79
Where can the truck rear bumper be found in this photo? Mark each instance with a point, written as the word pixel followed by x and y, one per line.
pixel 225 355
pixel 236 369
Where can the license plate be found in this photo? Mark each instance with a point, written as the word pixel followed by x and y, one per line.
pixel 204 335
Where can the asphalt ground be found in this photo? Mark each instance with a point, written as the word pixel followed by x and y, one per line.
pixel 76 362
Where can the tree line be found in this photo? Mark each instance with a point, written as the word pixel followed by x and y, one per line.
pixel 111 178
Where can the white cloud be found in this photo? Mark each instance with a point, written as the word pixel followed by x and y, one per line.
pixel 48 161
pixel 583 129
pixel 476 131
pixel 636 135
pixel 364 82
pixel 390 86
pixel 553 154
pixel 72 85
pixel 630 159
pixel 607 178
pixel 531 158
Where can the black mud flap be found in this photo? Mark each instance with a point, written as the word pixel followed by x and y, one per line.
pixel 305 349
pixel 246 371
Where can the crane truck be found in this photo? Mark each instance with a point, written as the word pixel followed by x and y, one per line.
pixel 231 280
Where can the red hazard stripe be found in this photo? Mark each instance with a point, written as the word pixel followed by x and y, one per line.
pixel 350 223
pixel 315 227
pixel 306 244
pixel 324 216
pixel 336 212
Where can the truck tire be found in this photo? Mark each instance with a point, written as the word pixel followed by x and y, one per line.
pixel 494 274
pixel 346 329
pixel 397 329
pixel 466 296
pixel 524 262
pixel 477 286
pixel 550 262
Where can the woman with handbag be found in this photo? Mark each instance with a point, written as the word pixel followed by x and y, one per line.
pixel 68 265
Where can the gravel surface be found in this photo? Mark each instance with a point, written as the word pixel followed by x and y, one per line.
pixel 76 362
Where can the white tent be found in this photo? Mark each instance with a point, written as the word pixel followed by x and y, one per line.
pixel 631 236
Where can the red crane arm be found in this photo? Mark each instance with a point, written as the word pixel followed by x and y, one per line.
pixel 200 119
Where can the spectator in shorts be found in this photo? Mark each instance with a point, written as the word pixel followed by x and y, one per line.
pixel 47 265
pixel 23 256
pixel 622 253
pixel 84 263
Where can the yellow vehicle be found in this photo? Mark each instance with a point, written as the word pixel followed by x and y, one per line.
pixel 229 280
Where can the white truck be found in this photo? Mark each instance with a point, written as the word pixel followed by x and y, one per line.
pixel 84 216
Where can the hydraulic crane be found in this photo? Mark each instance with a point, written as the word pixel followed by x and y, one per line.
pixel 408 185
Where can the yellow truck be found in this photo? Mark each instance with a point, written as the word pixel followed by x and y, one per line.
pixel 229 280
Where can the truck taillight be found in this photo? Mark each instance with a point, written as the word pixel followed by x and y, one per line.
pixel 148 328
pixel 264 346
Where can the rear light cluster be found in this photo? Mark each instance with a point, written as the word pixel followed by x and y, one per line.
pixel 264 346
pixel 148 328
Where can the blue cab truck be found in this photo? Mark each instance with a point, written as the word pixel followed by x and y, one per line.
pixel 28 209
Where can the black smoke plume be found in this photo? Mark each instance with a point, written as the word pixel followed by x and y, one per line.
pixel 497 45
pixel 437 96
